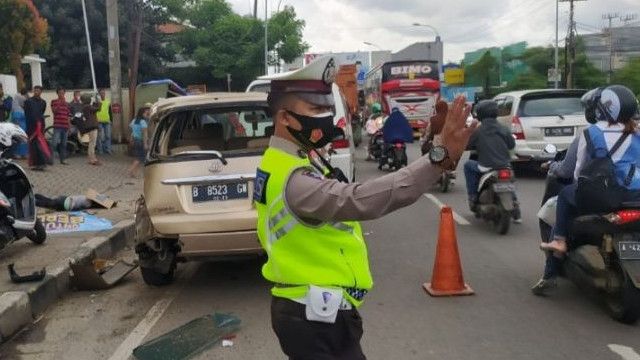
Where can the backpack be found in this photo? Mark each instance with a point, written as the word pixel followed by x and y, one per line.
pixel 598 189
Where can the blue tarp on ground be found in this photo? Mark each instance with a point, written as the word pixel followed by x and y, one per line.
pixel 75 221
pixel 397 128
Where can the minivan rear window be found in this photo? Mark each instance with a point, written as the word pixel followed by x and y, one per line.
pixel 233 132
pixel 551 106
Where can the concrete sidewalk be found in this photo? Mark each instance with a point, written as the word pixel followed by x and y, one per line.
pixel 20 303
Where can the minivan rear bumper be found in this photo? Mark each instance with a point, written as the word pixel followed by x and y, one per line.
pixel 220 244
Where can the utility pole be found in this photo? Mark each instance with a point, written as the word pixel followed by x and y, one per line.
pixel 571 45
pixel 115 76
pixel 255 9
pixel 555 55
pixel 610 17
pixel 266 44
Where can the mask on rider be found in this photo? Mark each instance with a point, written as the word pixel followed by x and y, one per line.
pixel 317 131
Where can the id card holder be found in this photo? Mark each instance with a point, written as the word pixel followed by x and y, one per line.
pixel 323 304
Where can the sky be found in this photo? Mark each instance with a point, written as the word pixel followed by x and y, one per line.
pixel 464 25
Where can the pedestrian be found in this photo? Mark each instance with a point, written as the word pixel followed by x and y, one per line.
pixel 61 117
pixel 20 150
pixel 104 121
pixel 88 126
pixel 139 139
pixel 39 152
pixel 5 105
pixel 308 222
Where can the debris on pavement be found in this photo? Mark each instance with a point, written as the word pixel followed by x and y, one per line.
pixel 35 276
pixel 99 275
pixel 76 221
pixel 227 343
pixel 190 339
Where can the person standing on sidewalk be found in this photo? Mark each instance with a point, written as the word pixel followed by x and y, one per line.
pixel 34 108
pixel 89 126
pixel 61 116
pixel 5 105
pixel 104 122
pixel 17 116
pixel 139 138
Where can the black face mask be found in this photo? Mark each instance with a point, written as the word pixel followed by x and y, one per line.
pixel 317 131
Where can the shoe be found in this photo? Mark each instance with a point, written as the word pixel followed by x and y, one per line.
pixel 543 286
pixel 517 220
pixel 557 246
pixel 64 163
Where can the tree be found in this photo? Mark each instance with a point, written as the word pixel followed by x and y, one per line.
pixel 23 30
pixel 485 71
pixel 227 43
pixel 629 76
pixel 67 59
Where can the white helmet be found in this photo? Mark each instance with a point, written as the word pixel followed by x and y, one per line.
pixel 9 133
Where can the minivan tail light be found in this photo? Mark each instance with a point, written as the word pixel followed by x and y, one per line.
pixel 516 128
pixel 623 217
pixel 504 174
pixel 340 144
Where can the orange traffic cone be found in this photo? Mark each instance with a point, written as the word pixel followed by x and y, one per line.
pixel 447 277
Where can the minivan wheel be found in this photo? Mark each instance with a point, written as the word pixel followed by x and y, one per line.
pixel 155 278
pixel 157 267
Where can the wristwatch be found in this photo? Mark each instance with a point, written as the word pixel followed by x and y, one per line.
pixel 439 155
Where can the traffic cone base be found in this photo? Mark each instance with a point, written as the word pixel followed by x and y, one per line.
pixel 467 290
pixel 447 279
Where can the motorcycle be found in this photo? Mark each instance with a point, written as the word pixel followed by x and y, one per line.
pixel 394 156
pixel 375 147
pixel 604 254
pixel 496 199
pixel 18 217
pixel 74 143
pixel 396 132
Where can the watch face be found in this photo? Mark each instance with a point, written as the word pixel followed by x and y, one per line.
pixel 437 154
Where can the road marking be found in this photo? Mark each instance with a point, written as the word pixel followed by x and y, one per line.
pixel 457 217
pixel 125 350
pixel 625 352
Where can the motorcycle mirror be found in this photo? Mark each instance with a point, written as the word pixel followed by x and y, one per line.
pixel 550 149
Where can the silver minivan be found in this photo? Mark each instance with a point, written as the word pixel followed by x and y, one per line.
pixel 540 117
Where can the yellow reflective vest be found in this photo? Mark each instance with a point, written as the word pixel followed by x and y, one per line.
pixel 103 113
pixel 301 254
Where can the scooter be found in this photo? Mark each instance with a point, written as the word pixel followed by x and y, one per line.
pixel 394 156
pixel 604 254
pixel 18 217
pixel 496 200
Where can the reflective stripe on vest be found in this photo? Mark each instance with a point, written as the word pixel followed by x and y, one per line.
pixel 279 232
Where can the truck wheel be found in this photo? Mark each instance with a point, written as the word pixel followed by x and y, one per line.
pixel 39 234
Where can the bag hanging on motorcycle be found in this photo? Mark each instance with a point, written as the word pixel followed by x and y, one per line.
pixel 598 189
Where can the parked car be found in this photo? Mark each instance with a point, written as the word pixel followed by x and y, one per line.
pixel 198 189
pixel 541 117
pixel 342 149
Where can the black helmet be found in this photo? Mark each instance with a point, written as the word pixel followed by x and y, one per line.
pixel 615 103
pixel 486 109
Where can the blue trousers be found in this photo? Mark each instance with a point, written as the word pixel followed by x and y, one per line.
pixel 60 137
pixel 566 210
pixel 104 138
pixel 23 148
pixel 472 177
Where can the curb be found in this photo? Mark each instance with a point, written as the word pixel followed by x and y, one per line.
pixel 19 308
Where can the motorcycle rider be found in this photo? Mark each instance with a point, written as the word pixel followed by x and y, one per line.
pixel 492 142
pixel 614 108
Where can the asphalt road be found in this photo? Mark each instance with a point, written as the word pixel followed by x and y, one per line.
pixel 503 320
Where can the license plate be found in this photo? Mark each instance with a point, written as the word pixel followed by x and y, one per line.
pixel 504 187
pixel 559 131
pixel 629 250
pixel 220 192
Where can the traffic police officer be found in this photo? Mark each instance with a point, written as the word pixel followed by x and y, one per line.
pixel 307 219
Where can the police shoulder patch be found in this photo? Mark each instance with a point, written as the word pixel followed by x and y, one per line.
pixel 312 173
pixel 260 186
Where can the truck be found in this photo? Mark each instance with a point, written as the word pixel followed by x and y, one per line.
pixel 346 79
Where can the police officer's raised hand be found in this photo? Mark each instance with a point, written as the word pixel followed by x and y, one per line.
pixel 456 133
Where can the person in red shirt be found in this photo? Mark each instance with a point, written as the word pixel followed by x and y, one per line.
pixel 61 116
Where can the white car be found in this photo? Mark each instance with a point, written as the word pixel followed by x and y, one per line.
pixel 341 150
pixel 540 117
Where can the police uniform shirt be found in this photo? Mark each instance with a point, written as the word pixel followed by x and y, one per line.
pixel 310 196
